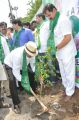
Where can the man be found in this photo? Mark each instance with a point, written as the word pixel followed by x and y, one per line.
pixel 42 36
pixel 9 32
pixel 65 47
pixel 42 33
pixel 16 63
pixel 4 51
pixel 20 35
pixel 3 26
pixel 33 25
pixel 26 25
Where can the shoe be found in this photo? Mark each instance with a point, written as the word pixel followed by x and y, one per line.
pixel 1 118
pixel 1 98
pixel 5 105
pixel 17 109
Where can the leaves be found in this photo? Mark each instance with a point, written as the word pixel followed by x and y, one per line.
pixel 33 8
pixel 44 66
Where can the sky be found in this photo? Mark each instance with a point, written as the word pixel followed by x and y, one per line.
pixel 23 7
pixel 4 9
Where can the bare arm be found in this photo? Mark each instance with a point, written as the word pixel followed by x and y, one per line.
pixel 64 42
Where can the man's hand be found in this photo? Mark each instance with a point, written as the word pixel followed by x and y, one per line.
pixel 64 42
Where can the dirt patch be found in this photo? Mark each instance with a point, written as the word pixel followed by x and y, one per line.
pixel 60 110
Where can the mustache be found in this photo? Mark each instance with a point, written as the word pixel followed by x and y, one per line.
pixel 50 18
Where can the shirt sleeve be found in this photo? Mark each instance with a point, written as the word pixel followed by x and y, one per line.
pixel 16 68
pixel 66 27
pixel 30 35
pixel 5 46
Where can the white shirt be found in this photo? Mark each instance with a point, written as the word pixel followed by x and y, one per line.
pixel 14 60
pixel 44 35
pixel 6 52
pixel 63 28
pixel 5 46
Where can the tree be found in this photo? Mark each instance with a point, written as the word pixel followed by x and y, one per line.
pixel 33 8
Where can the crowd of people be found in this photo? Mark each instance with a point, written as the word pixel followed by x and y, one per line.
pixel 25 45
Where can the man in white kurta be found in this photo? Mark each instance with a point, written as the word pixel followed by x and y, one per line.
pixel 14 63
pixel 66 54
pixel 66 49
pixel 4 51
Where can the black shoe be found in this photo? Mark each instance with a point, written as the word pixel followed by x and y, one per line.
pixel 1 98
pixel 1 118
pixel 17 109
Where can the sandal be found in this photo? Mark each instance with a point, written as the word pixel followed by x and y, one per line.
pixel 17 109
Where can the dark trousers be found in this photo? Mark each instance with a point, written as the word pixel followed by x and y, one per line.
pixel 53 68
pixel 31 76
pixel 32 81
pixel 49 65
pixel 12 85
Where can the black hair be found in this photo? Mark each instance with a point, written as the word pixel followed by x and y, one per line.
pixel 49 7
pixel 33 22
pixel 3 24
pixel 26 23
pixel 17 21
pixel 10 28
pixel 41 15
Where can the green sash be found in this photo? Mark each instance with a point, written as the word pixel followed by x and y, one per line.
pixel 25 79
pixel 16 42
pixel 37 38
pixel 37 35
pixel 51 42
pixel 2 56
pixel 75 24
pixel 7 40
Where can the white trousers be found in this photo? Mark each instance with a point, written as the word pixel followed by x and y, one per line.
pixel 67 70
pixel 3 75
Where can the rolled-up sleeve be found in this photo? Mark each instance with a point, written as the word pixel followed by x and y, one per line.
pixel 16 68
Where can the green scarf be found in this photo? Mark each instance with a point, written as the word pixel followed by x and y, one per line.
pixel 2 56
pixel 75 24
pixel 37 36
pixel 16 42
pixel 25 79
pixel 7 40
pixel 51 42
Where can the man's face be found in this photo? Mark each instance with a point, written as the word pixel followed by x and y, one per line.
pixel 4 30
pixel 28 55
pixel 49 14
pixel 33 26
pixel 15 27
pixel 38 19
